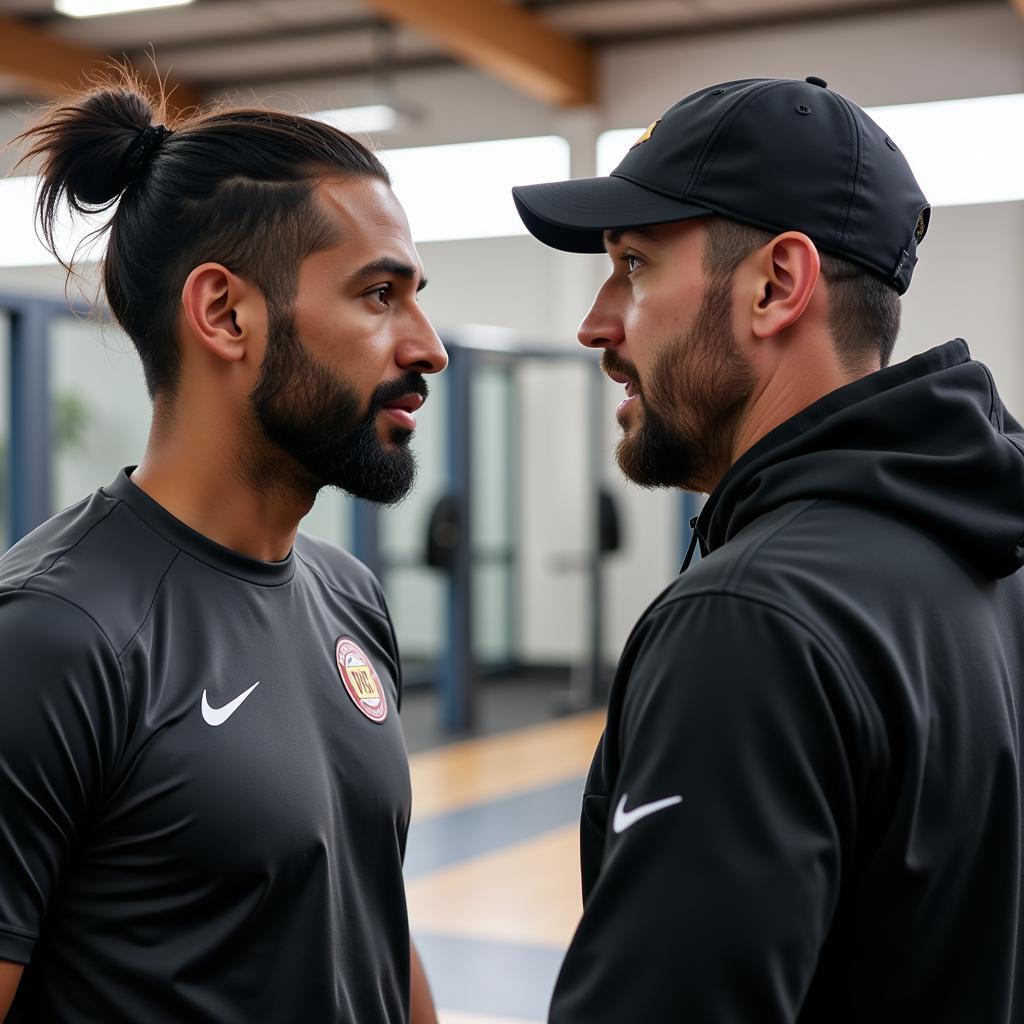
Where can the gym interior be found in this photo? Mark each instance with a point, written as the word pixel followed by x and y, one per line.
pixel 517 566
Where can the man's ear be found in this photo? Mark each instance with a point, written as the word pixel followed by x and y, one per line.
pixel 788 272
pixel 220 310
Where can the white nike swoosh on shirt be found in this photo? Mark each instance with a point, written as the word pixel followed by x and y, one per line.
pixel 623 818
pixel 218 716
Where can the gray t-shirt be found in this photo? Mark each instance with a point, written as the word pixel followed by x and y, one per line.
pixel 204 789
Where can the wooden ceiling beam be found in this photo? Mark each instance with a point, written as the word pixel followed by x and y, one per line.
pixel 506 42
pixel 48 67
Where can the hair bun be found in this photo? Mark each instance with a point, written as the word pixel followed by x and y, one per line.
pixel 85 147
pixel 146 144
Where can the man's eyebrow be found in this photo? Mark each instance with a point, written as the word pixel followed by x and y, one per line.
pixel 388 265
pixel 615 237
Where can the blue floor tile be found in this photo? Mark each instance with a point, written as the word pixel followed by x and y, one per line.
pixel 484 828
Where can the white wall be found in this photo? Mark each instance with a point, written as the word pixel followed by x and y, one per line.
pixel 967 282
pixel 906 57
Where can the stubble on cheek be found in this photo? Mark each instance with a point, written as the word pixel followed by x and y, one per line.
pixel 696 386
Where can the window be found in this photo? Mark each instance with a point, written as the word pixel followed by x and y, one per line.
pixel 465 190
pixel 449 192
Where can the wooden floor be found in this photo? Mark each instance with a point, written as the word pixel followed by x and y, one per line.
pixel 493 867
pixel 483 769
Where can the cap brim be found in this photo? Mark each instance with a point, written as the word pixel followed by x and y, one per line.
pixel 573 215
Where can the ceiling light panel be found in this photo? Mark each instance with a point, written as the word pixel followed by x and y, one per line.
pixel 100 8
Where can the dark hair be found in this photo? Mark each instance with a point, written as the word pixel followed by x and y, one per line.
pixel 231 186
pixel 863 311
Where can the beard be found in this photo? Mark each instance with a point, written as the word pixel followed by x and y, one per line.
pixel 308 413
pixel 690 404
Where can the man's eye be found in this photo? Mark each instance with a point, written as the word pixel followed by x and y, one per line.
pixel 631 261
pixel 381 293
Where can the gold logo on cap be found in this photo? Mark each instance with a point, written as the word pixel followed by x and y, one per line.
pixel 921 227
pixel 647 134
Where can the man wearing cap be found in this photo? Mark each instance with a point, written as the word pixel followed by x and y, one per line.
pixel 807 802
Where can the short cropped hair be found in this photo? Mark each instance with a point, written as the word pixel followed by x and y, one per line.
pixel 863 311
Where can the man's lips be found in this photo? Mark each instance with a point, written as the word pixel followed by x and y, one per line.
pixel 408 403
pixel 401 409
pixel 619 378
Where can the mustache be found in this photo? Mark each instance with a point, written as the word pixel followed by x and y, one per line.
pixel 392 390
pixel 611 362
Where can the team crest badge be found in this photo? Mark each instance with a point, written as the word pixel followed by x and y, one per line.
pixel 361 680
pixel 647 134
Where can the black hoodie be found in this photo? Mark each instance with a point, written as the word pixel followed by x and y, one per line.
pixel 807 802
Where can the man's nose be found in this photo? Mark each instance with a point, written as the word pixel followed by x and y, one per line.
pixel 421 350
pixel 602 326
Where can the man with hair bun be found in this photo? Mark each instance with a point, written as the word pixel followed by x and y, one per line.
pixel 203 780
pixel 807 804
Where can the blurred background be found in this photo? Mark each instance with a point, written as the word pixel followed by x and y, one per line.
pixel 520 562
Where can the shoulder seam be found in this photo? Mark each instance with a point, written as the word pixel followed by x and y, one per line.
pixel 992 417
pixel 992 396
pixel 847 673
pixel 348 597
pixel 747 599
pixel 117 661
pixel 69 548
pixel 734 577
pixel 99 629
pixel 149 610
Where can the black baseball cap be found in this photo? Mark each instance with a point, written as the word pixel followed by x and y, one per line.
pixel 775 153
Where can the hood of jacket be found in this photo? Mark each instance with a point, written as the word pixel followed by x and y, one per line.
pixel 927 441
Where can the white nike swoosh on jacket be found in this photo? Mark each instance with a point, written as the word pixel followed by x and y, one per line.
pixel 623 818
